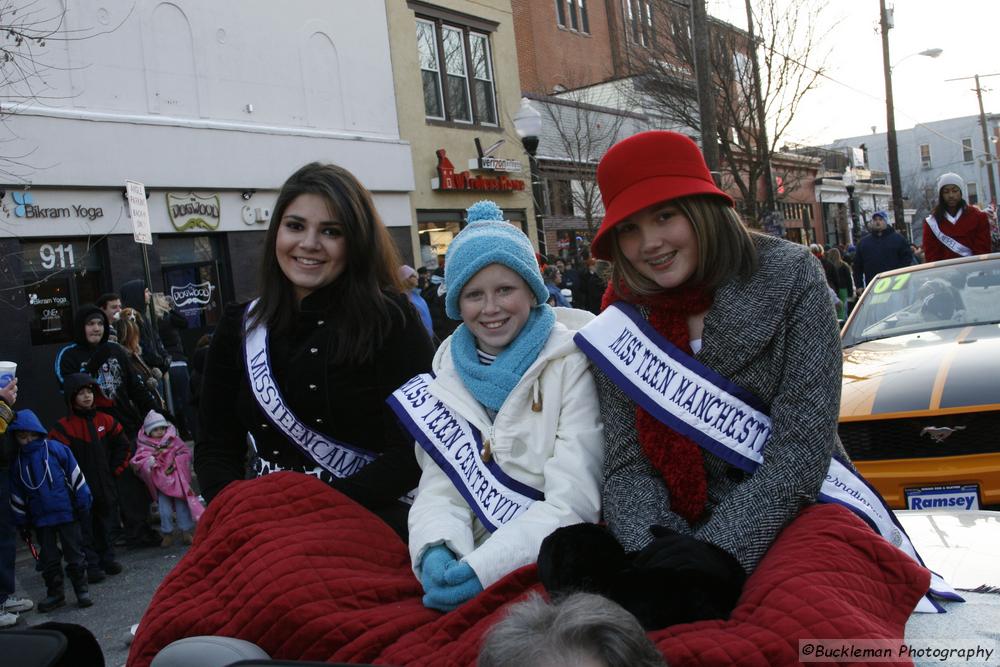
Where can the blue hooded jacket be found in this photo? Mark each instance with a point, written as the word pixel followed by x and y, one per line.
pixel 46 484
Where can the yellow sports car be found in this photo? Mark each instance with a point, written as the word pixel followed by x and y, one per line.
pixel 920 405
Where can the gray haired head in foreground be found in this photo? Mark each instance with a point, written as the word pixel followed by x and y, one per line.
pixel 576 630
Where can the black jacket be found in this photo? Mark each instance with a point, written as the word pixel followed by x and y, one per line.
pixel 343 401
pixel 153 353
pixel 443 325
pixel 844 279
pixel 593 291
pixel 878 252
pixel 169 325
pixel 124 396
pixel 572 281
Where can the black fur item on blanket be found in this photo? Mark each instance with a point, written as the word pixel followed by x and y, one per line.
pixel 581 558
pixel 676 579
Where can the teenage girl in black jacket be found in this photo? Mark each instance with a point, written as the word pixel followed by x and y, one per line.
pixel 341 336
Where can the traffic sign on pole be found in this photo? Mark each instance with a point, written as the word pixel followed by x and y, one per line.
pixel 139 212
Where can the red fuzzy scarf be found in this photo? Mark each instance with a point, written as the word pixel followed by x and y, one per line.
pixel 675 456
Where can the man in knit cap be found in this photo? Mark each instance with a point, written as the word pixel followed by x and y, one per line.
pixel 883 249
pixel 954 228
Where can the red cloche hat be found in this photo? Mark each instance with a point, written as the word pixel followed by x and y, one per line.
pixel 645 169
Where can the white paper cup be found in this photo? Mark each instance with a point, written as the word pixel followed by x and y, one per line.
pixel 8 371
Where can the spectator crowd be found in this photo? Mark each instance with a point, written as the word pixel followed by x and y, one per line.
pixel 92 482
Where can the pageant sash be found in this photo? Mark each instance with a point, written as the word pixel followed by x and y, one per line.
pixel 949 242
pixel 722 417
pixel 457 447
pixel 337 458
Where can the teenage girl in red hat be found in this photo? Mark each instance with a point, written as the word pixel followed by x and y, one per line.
pixel 752 314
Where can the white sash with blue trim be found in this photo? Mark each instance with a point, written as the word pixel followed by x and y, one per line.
pixel 722 417
pixel 946 240
pixel 456 446
pixel 337 458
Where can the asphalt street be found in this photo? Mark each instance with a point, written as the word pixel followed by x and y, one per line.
pixel 119 601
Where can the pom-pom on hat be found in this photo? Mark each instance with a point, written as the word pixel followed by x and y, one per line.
pixel 645 169
pixel 488 239
pixel 154 420
pixel 950 178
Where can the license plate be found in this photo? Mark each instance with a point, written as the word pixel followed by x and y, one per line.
pixel 958 497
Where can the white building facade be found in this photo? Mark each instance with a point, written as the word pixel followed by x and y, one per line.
pixel 931 149
pixel 211 105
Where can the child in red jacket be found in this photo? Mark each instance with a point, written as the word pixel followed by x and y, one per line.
pixel 102 449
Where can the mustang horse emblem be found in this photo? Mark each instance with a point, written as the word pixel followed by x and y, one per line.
pixel 939 433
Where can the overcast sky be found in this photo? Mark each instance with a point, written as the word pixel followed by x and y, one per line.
pixel 967 31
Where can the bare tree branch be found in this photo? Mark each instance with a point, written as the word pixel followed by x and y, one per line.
pixel 33 40
pixel 583 133
pixel 792 63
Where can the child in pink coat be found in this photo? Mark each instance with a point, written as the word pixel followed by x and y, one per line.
pixel 163 461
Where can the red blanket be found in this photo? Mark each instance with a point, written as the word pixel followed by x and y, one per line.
pixel 293 566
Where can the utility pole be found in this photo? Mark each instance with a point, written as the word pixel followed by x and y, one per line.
pixel 986 134
pixel 763 144
pixel 890 113
pixel 703 75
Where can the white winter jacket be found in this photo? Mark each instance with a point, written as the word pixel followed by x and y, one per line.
pixel 557 451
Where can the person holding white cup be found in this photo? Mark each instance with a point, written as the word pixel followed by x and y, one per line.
pixel 8 373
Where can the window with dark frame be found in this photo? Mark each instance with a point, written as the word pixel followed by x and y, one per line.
pixel 925 155
pixel 639 21
pixel 457 72
pixel 647 26
pixel 560 197
pixel 973 192
pixel 572 15
pixel 967 150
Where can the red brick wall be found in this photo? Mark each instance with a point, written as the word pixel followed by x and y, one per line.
pixel 548 55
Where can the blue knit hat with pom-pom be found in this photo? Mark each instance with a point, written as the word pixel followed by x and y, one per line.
pixel 488 239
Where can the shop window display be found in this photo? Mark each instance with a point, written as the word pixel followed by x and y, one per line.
pixel 58 275
pixel 436 229
pixel 190 266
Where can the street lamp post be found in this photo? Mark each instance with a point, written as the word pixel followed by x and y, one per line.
pixel 853 228
pixel 528 125
pixel 901 224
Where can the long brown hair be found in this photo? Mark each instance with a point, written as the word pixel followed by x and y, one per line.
pixel 725 247
pixel 834 257
pixel 372 268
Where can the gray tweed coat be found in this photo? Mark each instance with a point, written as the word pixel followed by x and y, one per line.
pixel 775 335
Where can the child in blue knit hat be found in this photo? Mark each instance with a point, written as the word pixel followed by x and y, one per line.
pixel 508 427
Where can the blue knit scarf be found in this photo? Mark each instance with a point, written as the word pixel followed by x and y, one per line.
pixel 492 384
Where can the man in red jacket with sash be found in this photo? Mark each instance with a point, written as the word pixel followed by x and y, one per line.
pixel 954 228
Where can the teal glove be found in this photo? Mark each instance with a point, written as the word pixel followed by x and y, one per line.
pixel 460 585
pixel 433 564
pixel 459 572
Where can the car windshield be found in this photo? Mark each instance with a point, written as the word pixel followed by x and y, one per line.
pixel 927 299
